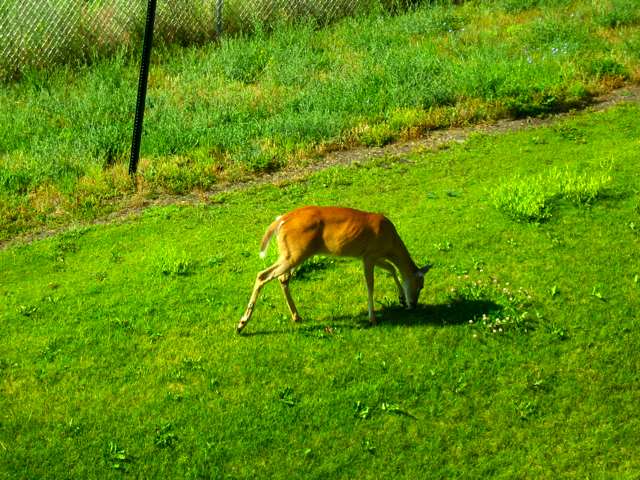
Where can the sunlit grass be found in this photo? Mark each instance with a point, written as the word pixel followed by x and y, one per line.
pixel 255 103
pixel 119 352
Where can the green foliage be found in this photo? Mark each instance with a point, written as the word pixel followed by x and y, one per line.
pixel 525 200
pixel 251 104
pixel 175 263
pixel 581 189
pixel 510 308
pixel 516 6
pixel 618 13
pixel 531 199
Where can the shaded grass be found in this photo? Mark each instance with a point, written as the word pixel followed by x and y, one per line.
pixel 253 104
pixel 110 364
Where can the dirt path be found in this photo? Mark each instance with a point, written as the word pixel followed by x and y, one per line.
pixel 434 140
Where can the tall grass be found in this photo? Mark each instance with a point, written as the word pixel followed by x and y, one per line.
pixel 44 34
pixel 256 103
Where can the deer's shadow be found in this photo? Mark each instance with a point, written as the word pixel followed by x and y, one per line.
pixel 456 312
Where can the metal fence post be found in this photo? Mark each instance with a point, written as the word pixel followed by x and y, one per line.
pixel 142 87
pixel 219 8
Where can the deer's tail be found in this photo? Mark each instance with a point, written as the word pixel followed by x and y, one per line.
pixel 273 229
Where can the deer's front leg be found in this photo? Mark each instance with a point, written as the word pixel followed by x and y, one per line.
pixel 391 269
pixel 368 276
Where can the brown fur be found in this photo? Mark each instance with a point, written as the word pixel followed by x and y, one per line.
pixel 343 232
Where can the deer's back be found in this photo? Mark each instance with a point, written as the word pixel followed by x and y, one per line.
pixel 335 231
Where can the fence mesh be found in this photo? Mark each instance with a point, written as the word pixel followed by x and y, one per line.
pixel 40 33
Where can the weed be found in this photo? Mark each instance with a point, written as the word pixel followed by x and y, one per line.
pixel 460 385
pixel 215 261
pixel 376 135
pixel 511 311
pixel 362 411
pixel 531 199
pixel 556 331
pixel 165 437
pixel 27 310
pixel 175 263
pixel 117 457
pixel 525 409
pixel 617 13
pixel 395 409
pixel 526 200
pixel 444 246
pixel 368 446
pixel 580 189
pixel 286 396
pixel 596 292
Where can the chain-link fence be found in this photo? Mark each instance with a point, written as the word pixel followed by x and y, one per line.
pixel 40 33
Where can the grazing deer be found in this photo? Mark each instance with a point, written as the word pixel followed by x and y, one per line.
pixel 343 232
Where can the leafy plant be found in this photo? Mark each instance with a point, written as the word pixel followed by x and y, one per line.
pixel 117 457
pixel 525 200
pixel 175 263
pixel 581 189
pixel 617 13
pixel 531 199
pixel 511 313
pixel 165 437
pixel 362 411
pixel 286 396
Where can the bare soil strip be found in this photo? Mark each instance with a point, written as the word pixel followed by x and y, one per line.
pixel 433 140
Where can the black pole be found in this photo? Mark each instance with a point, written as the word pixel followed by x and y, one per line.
pixel 142 87
pixel 219 8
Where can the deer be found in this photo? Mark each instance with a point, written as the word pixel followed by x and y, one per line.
pixel 343 232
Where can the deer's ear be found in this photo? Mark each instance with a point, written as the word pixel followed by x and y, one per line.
pixel 422 272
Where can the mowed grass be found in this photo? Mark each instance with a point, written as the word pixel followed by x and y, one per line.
pixel 119 352
pixel 254 104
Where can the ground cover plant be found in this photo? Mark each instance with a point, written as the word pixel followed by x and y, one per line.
pixel 254 104
pixel 119 355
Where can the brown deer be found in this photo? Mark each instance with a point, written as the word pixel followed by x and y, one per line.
pixel 343 232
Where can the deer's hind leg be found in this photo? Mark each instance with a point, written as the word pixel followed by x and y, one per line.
pixel 278 269
pixel 284 283
pixel 368 276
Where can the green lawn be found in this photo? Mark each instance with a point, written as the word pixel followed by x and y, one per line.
pixel 119 353
pixel 253 104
